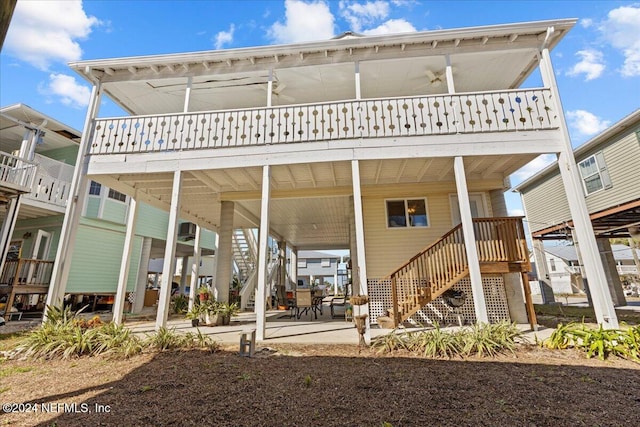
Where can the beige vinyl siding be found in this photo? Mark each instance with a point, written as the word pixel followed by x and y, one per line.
pixel 95 264
pixel 622 158
pixel 152 222
pixel 389 248
pixel 546 203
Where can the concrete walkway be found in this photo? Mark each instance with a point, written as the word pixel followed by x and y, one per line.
pixel 282 329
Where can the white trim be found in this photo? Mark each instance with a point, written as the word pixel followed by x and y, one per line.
pixel 597 172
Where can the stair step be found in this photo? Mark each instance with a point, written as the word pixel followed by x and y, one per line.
pixel 385 322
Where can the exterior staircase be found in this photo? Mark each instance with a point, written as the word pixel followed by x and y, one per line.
pixel 501 248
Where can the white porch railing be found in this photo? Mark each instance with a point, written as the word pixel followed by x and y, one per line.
pixel 499 111
pixel 52 182
pixel 627 269
pixel 16 172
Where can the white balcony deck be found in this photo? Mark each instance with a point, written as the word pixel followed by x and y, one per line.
pixel 51 185
pixel 16 174
pixel 470 113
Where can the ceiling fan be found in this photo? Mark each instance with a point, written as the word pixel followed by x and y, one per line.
pixel 435 80
pixel 276 91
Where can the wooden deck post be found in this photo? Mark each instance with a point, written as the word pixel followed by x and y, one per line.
pixel 394 298
pixel 531 312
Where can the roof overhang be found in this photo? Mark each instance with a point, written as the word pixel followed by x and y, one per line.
pixel 483 58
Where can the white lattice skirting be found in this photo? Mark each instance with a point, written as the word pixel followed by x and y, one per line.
pixel 436 311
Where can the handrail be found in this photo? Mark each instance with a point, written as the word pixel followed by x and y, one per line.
pixel 441 114
pixel 17 171
pixel 428 273
pixel 26 271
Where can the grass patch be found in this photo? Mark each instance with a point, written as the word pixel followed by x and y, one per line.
pixel 14 370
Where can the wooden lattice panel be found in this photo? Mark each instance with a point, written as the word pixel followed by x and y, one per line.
pixel 438 311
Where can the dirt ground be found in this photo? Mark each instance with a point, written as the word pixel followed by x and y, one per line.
pixel 294 385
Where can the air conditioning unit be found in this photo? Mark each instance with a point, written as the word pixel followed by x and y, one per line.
pixel 187 231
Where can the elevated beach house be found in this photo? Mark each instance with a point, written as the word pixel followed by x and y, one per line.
pixel 398 147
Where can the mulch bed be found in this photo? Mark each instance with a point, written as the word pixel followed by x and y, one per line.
pixel 330 385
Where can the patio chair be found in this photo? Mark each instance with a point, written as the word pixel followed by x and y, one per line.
pixel 304 302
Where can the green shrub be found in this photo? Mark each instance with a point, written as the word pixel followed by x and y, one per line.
pixel 479 340
pixel 597 342
pixel 63 335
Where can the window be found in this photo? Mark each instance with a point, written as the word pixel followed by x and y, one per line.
pixel 552 263
pixel 593 171
pixel 115 195
pixel 407 213
pixel 302 263
pixel 325 262
pixel 95 188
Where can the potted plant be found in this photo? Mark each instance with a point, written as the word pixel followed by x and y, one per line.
pixel 227 310
pixel 194 314
pixel 203 293
pixel 211 312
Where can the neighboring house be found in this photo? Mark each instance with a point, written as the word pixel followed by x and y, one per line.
pixel 610 178
pixel 32 218
pixel 565 273
pixel 396 147
pixel 320 269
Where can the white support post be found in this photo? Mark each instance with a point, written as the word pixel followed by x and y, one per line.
pixel 224 252
pixel 263 253
pixel 470 241
pixel 449 76
pixel 270 88
pixel 187 94
pixel 143 274
pixel 293 268
pixel 118 305
pixel 169 252
pixel 357 80
pixel 195 267
pixel 77 196
pixel 6 231
pixel 602 301
pixel 184 270
pixel 361 266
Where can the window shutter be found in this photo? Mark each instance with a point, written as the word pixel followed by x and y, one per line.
pixel 604 173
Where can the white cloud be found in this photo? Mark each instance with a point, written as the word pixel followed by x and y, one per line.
pixel 303 22
pixel 392 26
pixel 586 22
pixel 516 212
pixel 69 91
pixel 224 37
pixel 534 166
pixel 622 30
pixel 591 64
pixel 586 123
pixel 43 32
pixel 363 14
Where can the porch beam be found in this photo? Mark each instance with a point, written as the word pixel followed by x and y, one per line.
pixel 473 261
pixel 169 252
pixel 263 249
pixel 509 143
pixel 125 263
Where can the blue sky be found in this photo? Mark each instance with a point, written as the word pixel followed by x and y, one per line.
pixel 597 65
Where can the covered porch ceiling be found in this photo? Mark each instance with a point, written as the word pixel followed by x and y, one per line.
pixel 310 202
